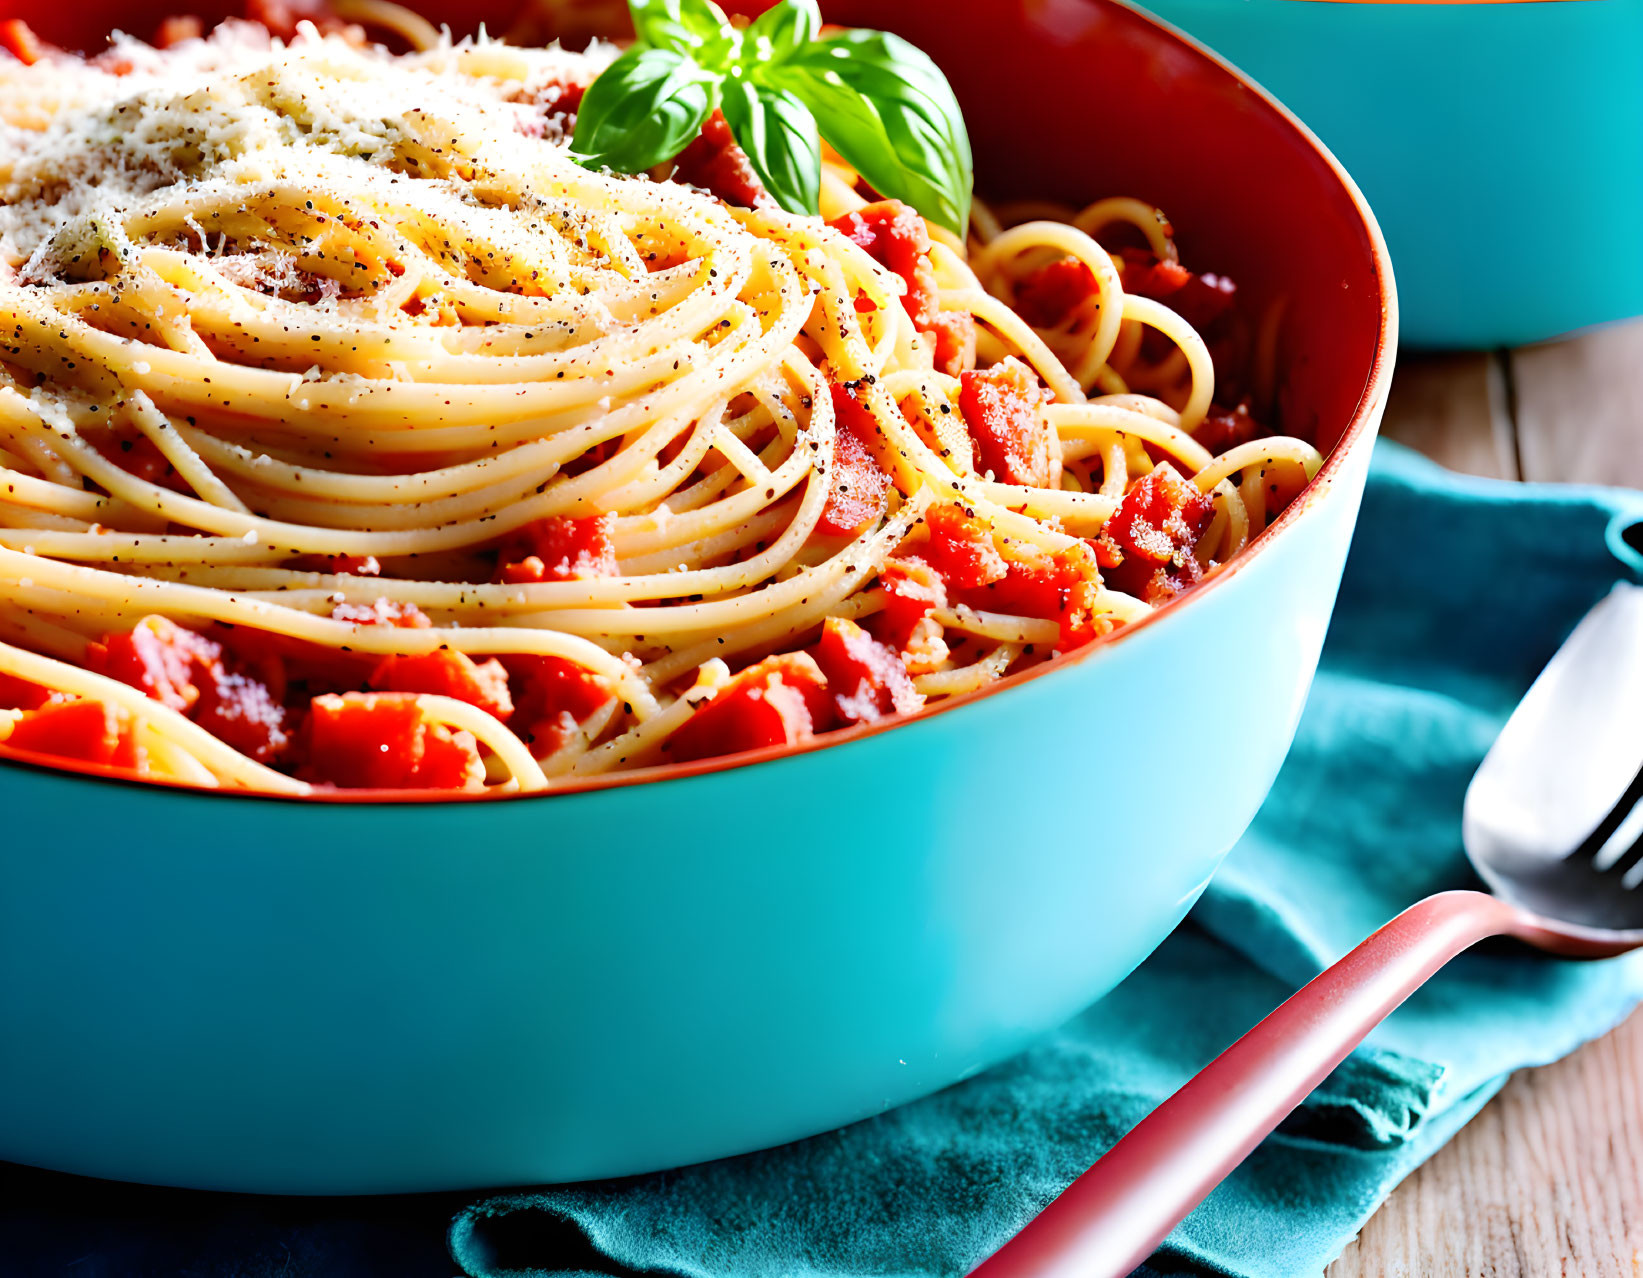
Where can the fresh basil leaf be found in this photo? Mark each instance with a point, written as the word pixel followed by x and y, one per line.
pixel 643 108
pixel 781 140
pixel 889 111
pixel 882 103
pixel 781 30
pixel 684 26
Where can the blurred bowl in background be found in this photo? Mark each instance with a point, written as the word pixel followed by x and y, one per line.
pixel 1500 145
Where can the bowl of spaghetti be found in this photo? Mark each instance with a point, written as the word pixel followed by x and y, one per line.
pixel 570 611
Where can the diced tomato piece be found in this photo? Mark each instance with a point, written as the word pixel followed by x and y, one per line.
pixel 555 697
pixel 1154 531
pixel 1051 294
pixel 961 548
pixel 867 680
pixel 559 548
pixel 1207 302
pixel 895 237
pixel 1003 407
pixel 167 661
pixel 382 741
pixel 1226 428
pixel 18 39
pixel 912 590
pixel 1059 587
pixel 715 163
pixel 83 730
pixel 448 673
pixel 1107 554
pixel 859 489
pixel 242 712
pixel 954 333
pixel 780 701
pixel 553 109
pixel 20 694
pixel 1201 300
pixel 136 454
pixel 185 670
pixel 1143 274
pixel 1024 582
pixel 450 761
pixel 177 28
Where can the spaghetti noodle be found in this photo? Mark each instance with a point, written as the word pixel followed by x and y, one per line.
pixel 352 434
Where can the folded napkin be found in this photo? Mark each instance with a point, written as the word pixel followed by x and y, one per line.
pixel 1456 594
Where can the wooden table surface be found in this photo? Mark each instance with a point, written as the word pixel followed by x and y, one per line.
pixel 1548 1179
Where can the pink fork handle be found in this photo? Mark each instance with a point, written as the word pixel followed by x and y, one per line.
pixel 1112 1217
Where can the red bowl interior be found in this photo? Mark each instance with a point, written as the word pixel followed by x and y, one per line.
pixel 1075 100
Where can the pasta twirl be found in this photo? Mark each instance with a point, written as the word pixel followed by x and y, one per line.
pixel 352 434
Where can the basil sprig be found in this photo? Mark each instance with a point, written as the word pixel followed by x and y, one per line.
pixel 878 101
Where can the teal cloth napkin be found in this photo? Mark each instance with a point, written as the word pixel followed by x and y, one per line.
pixel 1456 594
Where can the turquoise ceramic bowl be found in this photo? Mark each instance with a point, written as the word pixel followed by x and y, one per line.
pixel 1500 144
pixel 327 997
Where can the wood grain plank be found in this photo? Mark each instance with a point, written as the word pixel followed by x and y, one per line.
pixel 1547 1180
pixel 1454 408
pixel 1579 407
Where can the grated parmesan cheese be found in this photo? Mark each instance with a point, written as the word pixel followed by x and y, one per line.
pixel 82 147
